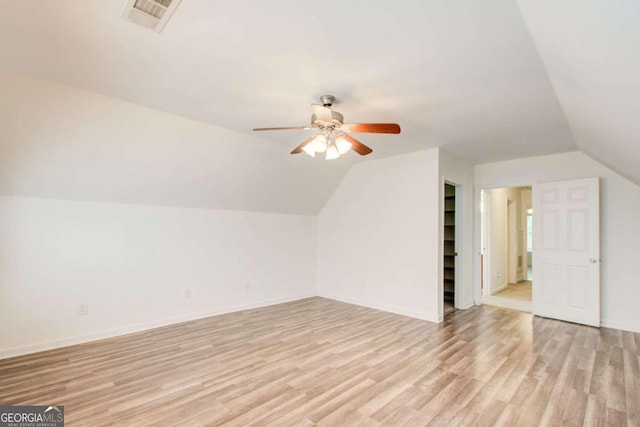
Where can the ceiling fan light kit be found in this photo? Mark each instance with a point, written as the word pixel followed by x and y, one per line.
pixel 333 145
pixel 333 139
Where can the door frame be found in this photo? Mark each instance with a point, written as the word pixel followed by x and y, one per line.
pixel 512 243
pixel 485 237
pixel 458 288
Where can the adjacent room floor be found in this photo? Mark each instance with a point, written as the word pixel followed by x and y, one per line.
pixel 318 361
pixel 516 296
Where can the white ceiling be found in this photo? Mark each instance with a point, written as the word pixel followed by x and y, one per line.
pixel 464 75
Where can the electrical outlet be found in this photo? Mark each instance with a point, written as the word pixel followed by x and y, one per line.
pixel 499 275
pixel 83 309
pixel 247 287
pixel 187 293
pixel 362 284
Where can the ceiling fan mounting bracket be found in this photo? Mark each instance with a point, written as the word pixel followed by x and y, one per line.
pixel 327 100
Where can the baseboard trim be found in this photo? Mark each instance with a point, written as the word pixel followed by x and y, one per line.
pixel 145 326
pixel 624 326
pixel 383 307
pixel 500 289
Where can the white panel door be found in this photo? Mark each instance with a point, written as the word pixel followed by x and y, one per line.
pixel 566 250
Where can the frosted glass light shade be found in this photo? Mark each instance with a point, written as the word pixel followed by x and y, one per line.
pixel 342 145
pixel 319 144
pixel 332 152
pixel 308 149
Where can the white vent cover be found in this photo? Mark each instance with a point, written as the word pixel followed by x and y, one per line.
pixel 152 14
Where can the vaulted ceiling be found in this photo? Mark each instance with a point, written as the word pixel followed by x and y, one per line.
pixel 591 52
pixel 96 108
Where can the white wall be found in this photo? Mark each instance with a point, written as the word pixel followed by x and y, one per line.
pixel 132 265
pixel 378 243
pixel 619 228
pixel 496 255
pixel 456 171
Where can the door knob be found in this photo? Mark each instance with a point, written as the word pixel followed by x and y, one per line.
pixel 593 260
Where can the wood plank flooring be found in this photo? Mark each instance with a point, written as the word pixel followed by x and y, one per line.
pixel 519 291
pixel 517 296
pixel 326 363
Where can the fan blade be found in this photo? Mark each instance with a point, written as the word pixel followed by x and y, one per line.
pixel 372 127
pixel 299 148
pixel 322 113
pixel 285 128
pixel 357 146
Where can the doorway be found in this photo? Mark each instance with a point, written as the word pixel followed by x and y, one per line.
pixel 507 247
pixel 450 251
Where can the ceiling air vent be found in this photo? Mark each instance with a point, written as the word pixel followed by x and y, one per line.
pixel 152 14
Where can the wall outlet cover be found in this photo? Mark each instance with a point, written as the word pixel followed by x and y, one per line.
pixel 83 309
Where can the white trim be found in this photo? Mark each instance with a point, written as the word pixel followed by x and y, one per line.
pixel 145 326
pixel 459 290
pixel 384 307
pixel 457 245
pixel 497 291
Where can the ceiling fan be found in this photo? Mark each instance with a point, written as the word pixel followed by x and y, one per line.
pixel 333 138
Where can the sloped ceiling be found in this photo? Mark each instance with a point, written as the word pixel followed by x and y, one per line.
pixel 591 51
pixel 464 75
pixel 61 142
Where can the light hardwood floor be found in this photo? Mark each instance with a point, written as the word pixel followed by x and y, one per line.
pixel 519 291
pixel 517 296
pixel 323 362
